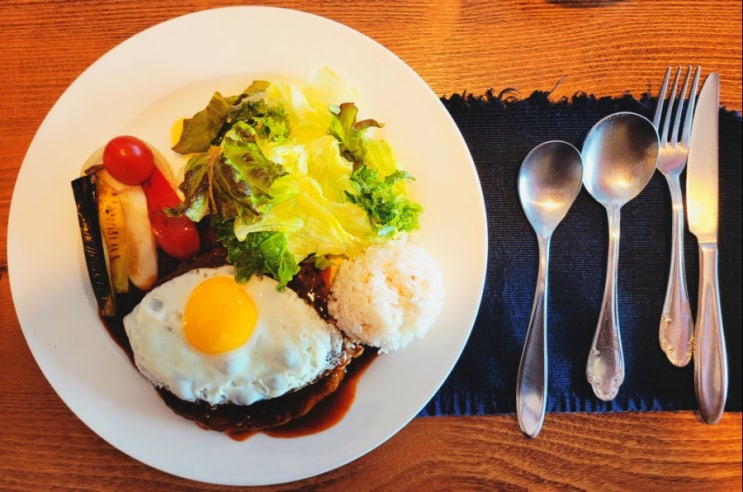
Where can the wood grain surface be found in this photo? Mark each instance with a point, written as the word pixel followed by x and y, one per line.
pixel 598 47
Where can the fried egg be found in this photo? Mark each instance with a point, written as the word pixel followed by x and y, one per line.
pixel 204 336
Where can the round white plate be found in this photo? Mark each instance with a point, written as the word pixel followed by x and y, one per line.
pixel 141 87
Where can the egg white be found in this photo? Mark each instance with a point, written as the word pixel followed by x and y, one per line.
pixel 290 347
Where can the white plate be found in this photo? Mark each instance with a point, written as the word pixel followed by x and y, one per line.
pixel 141 87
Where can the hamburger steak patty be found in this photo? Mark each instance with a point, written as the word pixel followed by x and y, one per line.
pixel 235 419
pixel 265 414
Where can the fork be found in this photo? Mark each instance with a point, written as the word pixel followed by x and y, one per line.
pixel 676 324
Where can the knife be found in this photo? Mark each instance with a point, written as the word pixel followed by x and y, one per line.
pixel 710 358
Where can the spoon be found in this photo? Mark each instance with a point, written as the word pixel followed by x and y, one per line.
pixel 619 158
pixel 549 181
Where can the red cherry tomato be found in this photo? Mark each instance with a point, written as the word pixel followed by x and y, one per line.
pixel 177 236
pixel 128 159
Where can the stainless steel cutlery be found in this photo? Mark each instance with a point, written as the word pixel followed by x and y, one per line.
pixel 618 158
pixel 549 182
pixel 702 180
pixel 676 323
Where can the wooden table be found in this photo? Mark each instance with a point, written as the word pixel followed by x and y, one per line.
pixel 600 47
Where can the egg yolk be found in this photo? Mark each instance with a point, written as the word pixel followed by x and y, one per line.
pixel 219 315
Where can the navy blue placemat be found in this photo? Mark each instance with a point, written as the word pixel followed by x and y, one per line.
pixel 500 130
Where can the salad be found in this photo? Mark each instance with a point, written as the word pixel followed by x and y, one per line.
pixel 283 174
pixel 280 175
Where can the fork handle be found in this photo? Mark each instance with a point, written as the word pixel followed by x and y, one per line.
pixel 710 355
pixel 676 323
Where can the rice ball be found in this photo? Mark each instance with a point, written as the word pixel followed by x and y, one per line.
pixel 387 296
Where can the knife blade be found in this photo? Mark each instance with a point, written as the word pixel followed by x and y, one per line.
pixel 710 357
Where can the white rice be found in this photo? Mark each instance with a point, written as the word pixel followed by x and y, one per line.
pixel 388 296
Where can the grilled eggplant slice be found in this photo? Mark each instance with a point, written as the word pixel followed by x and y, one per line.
pixel 85 192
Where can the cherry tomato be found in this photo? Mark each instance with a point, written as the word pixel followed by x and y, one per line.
pixel 128 159
pixel 177 236
pixel 131 161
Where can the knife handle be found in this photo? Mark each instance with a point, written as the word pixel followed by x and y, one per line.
pixel 710 356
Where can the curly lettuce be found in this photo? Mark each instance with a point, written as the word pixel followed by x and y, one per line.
pixel 287 174
pixel 210 125
pixel 389 211
pixel 232 180
pixel 259 253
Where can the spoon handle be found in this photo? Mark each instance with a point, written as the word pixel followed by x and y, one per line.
pixel 605 368
pixel 710 355
pixel 531 381
pixel 676 324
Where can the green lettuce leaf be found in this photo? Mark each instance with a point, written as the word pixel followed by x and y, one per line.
pixel 268 122
pixel 376 181
pixel 259 253
pixel 210 125
pixel 200 130
pixel 389 210
pixel 312 223
pixel 232 181
pixel 350 133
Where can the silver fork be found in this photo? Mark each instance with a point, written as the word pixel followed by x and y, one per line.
pixel 676 324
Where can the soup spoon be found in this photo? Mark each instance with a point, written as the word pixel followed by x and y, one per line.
pixel 619 158
pixel 549 181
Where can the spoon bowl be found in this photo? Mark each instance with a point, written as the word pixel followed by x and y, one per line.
pixel 619 157
pixel 549 181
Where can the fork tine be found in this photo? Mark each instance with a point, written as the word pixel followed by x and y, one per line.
pixel 669 110
pixel 661 98
pixel 690 110
pixel 680 107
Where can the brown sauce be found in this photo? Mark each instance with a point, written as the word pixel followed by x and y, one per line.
pixel 323 415
pixel 332 409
